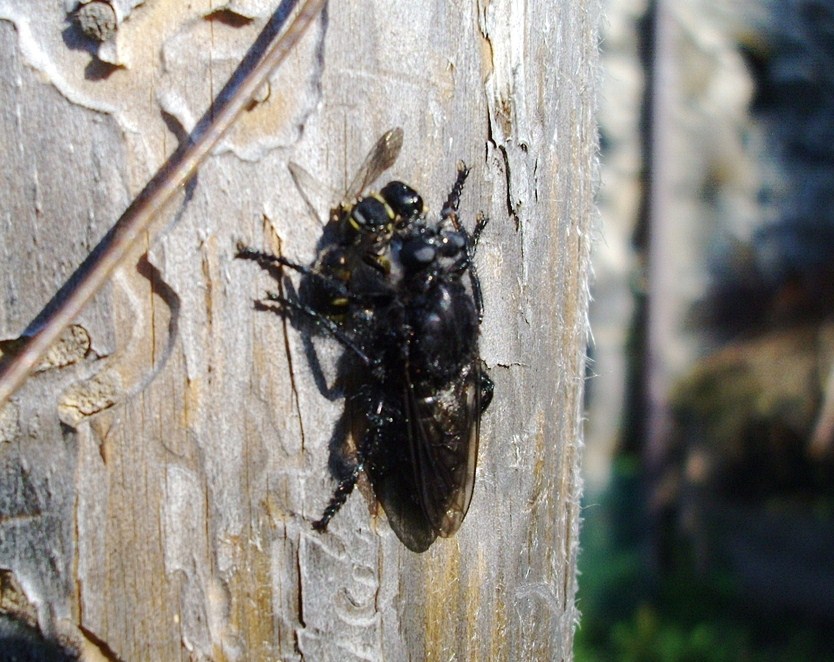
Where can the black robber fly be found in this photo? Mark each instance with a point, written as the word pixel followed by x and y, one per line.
pixel 401 294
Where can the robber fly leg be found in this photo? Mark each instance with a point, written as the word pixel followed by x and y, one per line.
pixel 324 323
pixel 270 263
pixel 340 495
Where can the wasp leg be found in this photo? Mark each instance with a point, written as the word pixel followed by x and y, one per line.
pixel 340 495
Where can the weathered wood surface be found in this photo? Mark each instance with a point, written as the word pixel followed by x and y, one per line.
pixel 156 493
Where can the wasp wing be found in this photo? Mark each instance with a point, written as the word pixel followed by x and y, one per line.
pixel 381 157
pixel 316 195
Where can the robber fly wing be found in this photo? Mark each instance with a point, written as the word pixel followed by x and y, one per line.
pixel 389 464
pixel 381 157
pixel 443 439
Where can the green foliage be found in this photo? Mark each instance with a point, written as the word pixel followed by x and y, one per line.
pixel 633 614
pixel 649 637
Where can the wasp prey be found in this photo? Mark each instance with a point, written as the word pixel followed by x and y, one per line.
pixel 399 291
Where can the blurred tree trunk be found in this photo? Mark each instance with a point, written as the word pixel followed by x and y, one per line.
pixel 159 473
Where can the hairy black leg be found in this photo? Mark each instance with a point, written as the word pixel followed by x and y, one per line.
pixel 468 262
pixel 480 223
pixel 368 448
pixel 270 262
pixel 337 288
pixel 449 211
pixel 340 495
pixel 450 207
pixel 322 322
pixel 273 264
pixel 471 247
pixel 487 388
pixel 346 484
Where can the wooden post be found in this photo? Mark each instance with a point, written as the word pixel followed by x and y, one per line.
pixel 159 473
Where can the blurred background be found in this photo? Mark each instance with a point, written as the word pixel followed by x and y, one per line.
pixel 709 511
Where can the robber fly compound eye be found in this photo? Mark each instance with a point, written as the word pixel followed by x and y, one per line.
pixel 417 254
